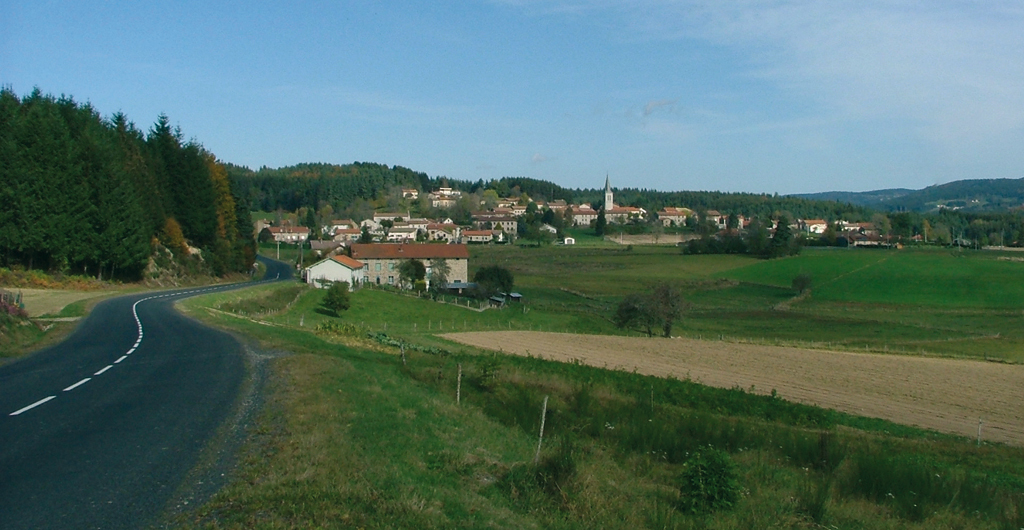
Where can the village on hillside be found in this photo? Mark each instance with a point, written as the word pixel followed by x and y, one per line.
pixel 371 250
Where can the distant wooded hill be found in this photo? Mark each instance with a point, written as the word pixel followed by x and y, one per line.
pixel 355 189
pixel 983 195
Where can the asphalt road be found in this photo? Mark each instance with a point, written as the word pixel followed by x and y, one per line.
pixel 100 430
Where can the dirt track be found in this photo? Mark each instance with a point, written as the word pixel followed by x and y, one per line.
pixel 941 394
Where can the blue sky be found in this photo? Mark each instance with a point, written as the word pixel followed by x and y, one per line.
pixel 757 96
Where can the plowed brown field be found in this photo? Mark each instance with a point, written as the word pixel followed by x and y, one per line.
pixel 942 394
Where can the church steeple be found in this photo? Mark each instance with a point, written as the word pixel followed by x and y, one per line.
pixel 609 199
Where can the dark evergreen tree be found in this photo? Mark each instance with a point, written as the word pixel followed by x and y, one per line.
pixel 601 225
pixel 782 243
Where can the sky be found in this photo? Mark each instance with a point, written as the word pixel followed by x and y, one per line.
pixel 772 96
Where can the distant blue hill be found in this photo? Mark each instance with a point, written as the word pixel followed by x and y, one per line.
pixel 982 195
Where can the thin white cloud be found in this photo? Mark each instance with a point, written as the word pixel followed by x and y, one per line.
pixel 946 71
pixel 538 158
pixel 664 104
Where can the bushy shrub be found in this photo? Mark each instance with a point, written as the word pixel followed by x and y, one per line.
pixel 331 327
pixel 802 282
pixel 709 482
pixel 336 300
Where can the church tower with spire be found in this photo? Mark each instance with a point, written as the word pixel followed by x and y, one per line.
pixel 609 199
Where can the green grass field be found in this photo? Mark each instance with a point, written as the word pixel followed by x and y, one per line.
pixel 935 278
pixel 353 437
pixel 930 301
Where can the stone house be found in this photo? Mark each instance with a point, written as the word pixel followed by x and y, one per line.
pixel 382 260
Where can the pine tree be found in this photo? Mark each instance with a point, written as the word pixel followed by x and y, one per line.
pixel 601 224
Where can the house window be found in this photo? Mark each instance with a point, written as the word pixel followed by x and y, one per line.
pixel 391 280
pixel 391 266
pixel 377 267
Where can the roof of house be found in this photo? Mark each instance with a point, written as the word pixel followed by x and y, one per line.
pixel 470 233
pixel 624 210
pixel 288 229
pixel 414 251
pixel 348 262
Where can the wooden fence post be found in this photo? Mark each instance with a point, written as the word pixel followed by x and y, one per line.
pixel 543 416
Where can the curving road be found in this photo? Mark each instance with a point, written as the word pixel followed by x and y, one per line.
pixel 100 430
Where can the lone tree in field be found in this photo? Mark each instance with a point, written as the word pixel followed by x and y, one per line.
pixel 802 283
pixel 411 271
pixel 336 300
pixel 657 310
pixel 635 311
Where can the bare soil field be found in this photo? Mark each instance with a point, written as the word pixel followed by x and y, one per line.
pixel 51 301
pixel 650 239
pixel 945 395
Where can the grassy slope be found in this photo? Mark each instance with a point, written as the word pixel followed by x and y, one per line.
pixel 915 301
pixel 352 438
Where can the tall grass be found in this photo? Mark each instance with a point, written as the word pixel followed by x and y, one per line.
pixel 356 437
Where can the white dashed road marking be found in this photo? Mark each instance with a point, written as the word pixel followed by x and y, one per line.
pixel 32 406
pixel 78 384
pixel 138 341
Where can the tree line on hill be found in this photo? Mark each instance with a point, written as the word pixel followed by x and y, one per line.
pixel 972 195
pixel 379 186
pixel 315 185
pixel 84 194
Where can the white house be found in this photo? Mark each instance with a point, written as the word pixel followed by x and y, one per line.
pixel 814 226
pixel 338 268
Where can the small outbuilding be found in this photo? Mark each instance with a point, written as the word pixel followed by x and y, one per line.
pixel 569 241
pixel 338 268
pixel 460 287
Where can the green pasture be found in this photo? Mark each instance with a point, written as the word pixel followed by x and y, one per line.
pixel 919 302
pixel 404 314
pixel 263 216
pixel 601 271
pixel 927 301
pixel 355 436
pixel 288 253
pixel 918 277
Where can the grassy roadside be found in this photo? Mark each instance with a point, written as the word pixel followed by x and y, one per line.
pixel 354 437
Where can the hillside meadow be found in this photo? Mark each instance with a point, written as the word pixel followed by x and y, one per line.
pixel 915 301
pixel 374 422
